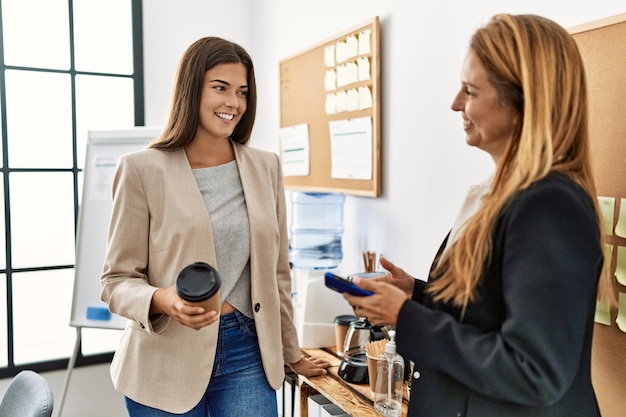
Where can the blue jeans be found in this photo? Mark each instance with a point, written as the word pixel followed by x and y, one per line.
pixel 238 387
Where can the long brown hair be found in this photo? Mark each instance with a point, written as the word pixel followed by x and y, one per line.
pixel 536 67
pixel 201 56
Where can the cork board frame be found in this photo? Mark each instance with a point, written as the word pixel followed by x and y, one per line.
pixel 602 44
pixel 303 100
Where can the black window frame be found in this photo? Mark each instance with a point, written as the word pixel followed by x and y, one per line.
pixel 138 79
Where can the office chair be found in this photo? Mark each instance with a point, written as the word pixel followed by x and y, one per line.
pixel 28 395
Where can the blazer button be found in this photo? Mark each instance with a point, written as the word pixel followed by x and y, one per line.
pixel 142 326
pixel 257 307
pixel 416 375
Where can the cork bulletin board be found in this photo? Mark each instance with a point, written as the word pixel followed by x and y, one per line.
pixel 331 94
pixel 603 47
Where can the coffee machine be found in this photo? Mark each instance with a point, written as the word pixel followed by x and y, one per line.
pixel 353 366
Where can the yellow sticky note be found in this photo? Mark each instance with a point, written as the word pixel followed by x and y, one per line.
pixel 620 227
pixel 603 316
pixel 607 208
pixel 621 314
pixel 620 267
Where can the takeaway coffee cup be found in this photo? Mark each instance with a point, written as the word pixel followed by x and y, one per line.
pixel 342 324
pixel 200 283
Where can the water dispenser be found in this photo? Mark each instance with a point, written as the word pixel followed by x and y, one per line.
pixel 316 230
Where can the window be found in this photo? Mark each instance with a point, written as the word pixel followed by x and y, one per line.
pixel 67 66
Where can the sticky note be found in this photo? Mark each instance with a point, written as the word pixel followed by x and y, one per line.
pixel 364 42
pixel 620 227
pixel 620 265
pixel 98 313
pixel 607 208
pixel 603 316
pixel 352 46
pixel 621 314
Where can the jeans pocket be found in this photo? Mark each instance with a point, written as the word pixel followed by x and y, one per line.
pixel 246 324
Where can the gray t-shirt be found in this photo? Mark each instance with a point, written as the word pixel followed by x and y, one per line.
pixel 221 189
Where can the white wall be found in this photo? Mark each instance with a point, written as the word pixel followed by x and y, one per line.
pixel 426 164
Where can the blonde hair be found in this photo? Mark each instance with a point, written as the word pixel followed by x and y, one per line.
pixel 536 67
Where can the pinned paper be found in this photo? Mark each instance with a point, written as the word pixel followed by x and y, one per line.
pixel 621 313
pixel 351 148
pixel 620 265
pixel 353 100
pixel 603 316
pixel 352 72
pixel 341 101
pixel 341 51
pixel 364 42
pixel 352 46
pixel 620 227
pixel 295 151
pixel 365 98
pixel 103 170
pixel 607 208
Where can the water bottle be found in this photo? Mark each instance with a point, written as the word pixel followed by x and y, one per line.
pixel 316 230
pixel 389 380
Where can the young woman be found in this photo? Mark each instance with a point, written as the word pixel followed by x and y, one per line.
pixel 199 193
pixel 504 326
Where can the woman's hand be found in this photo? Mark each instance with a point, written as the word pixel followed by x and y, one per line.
pixel 382 307
pixel 167 301
pixel 310 366
pixel 398 277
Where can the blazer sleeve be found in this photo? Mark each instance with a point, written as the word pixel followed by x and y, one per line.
pixel 125 286
pixel 548 260
pixel 291 348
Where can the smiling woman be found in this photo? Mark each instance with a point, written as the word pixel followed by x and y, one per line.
pixel 489 122
pixel 200 194
pixel 504 325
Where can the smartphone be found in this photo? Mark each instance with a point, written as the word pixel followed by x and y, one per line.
pixel 340 284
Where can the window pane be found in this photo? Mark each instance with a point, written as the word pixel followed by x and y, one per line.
pixel 42 302
pixel 39 119
pixel 4 352
pixel 36 33
pixel 3 246
pixel 2 138
pixel 102 103
pixel 97 47
pixel 94 341
pixel 42 219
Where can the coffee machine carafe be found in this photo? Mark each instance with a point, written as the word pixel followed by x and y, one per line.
pixel 353 367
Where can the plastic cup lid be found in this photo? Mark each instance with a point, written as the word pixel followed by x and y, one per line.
pixel 345 319
pixel 197 282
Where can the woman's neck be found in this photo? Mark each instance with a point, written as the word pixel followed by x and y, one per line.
pixel 209 153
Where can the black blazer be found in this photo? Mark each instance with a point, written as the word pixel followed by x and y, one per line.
pixel 523 348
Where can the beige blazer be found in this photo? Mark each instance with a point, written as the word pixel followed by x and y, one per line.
pixel 160 224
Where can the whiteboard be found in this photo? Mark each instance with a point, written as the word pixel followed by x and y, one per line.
pixel 104 147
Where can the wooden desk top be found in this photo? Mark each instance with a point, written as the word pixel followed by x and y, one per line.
pixel 355 399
